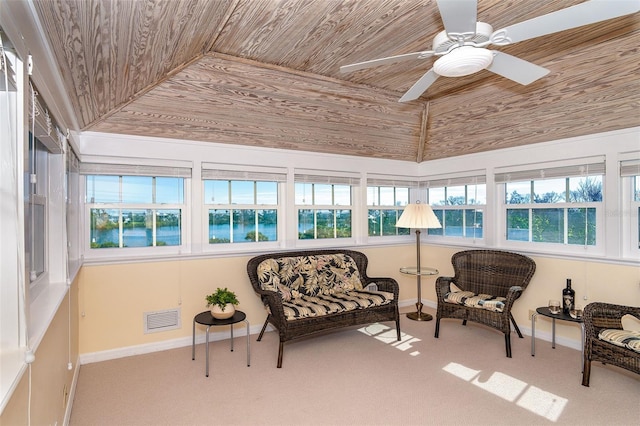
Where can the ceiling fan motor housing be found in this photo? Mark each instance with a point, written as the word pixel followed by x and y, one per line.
pixel 442 42
pixel 466 59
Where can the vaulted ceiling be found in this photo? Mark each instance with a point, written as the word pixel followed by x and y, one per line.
pixel 266 73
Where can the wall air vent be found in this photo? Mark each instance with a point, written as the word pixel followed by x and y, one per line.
pixel 162 320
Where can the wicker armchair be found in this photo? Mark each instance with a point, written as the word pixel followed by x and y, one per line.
pixel 599 316
pixel 501 274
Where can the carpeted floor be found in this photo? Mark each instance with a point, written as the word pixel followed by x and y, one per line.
pixel 360 376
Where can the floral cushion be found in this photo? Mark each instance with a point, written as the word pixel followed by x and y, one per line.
pixel 311 275
pixel 624 338
pixel 469 298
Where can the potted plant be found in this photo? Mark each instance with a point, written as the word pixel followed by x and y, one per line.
pixel 222 303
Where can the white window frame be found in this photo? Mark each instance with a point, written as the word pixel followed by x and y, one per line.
pixel 224 172
pixel 321 177
pixel 14 326
pixel 49 178
pixel 467 179
pixel 385 181
pixel 629 176
pixel 73 212
pixel 131 167
pixel 570 169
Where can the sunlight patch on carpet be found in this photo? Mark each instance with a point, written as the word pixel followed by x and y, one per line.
pixel 388 335
pixel 536 400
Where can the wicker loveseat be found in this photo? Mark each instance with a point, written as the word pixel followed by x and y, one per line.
pixel 485 285
pixel 606 340
pixel 306 292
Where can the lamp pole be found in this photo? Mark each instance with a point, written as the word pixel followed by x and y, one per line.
pixel 419 315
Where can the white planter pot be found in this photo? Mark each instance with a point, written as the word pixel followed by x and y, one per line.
pixel 218 313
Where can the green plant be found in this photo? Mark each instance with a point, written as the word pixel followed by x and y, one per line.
pixel 221 297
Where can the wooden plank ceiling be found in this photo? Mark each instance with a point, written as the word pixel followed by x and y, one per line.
pixel 266 73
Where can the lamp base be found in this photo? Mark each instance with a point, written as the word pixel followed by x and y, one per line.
pixel 419 316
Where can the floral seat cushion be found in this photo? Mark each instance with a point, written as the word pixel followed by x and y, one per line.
pixel 625 338
pixel 314 275
pixel 319 305
pixel 482 301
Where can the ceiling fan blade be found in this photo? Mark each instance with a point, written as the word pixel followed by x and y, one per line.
pixel 387 60
pixel 516 69
pixel 420 86
pixel 581 14
pixel 459 16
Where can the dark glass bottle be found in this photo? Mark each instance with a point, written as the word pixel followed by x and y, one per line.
pixel 568 298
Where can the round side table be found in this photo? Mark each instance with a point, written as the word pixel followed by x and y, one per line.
pixel 205 318
pixel 422 272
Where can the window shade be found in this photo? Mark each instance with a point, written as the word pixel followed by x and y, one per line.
pixel 327 177
pixel 454 181
pixel 386 180
pixel 552 173
pixel 44 127
pixel 332 180
pixel 630 168
pixel 133 170
pixel 269 174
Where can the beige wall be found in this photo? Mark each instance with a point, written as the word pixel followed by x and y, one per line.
pixel 50 378
pixel 113 297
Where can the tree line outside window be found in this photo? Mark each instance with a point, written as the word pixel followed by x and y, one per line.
pixel 559 210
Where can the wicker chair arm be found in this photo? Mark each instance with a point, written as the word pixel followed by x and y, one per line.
pixel 598 316
pixel 273 300
pixel 512 295
pixel 443 286
pixel 385 284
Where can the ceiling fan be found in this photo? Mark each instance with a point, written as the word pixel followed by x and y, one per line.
pixel 461 47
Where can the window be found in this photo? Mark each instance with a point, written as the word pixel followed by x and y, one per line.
pixel 35 209
pixel 324 206
pixel 72 178
pixel 127 210
pixel 43 218
pixel 242 205
pixel 14 283
pixel 459 205
pixel 630 177
pixel 386 200
pixel 241 211
pixel 559 206
pixel 636 205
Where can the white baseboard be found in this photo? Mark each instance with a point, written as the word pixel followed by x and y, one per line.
pixel 89 358
pixel 164 345
pixel 72 393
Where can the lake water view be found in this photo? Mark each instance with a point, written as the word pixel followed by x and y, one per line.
pixel 170 235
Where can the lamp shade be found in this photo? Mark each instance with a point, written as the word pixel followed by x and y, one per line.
pixel 418 216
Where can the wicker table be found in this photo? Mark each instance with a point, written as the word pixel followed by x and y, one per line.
pixel 544 311
pixel 205 318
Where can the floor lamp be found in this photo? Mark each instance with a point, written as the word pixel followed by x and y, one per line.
pixel 418 216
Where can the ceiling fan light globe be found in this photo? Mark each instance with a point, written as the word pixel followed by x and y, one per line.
pixel 463 61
